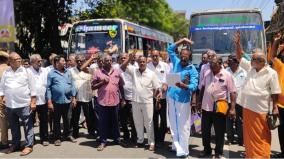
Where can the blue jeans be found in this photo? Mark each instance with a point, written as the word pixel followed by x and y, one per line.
pixel 24 113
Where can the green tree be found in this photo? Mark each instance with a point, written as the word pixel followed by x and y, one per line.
pixel 37 24
pixel 153 13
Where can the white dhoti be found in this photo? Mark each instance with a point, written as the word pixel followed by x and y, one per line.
pixel 143 116
pixel 179 118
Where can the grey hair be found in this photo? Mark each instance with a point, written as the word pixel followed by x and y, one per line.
pixel 211 51
pixel 80 56
pixel 34 57
pixel 71 55
pixel 106 56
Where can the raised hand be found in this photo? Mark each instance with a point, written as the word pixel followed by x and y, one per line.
pixel 277 38
pixel 237 37
pixel 188 41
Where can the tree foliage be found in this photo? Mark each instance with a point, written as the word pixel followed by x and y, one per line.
pixel 37 24
pixel 153 13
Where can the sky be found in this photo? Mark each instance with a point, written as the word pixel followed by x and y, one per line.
pixel 266 6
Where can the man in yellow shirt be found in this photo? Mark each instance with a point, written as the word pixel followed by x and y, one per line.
pixel 277 53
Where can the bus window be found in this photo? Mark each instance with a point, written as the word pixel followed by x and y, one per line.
pixel 103 37
pixel 133 42
pixel 215 30
pixel 140 43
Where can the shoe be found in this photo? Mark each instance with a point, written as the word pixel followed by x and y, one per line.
pixel 139 145
pixel 117 142
pixel 71 139
pixel 243 155
pixel 26 151
pixel 57 143
pixel 219 156
pixel 4 146
pixel 152 148
pixel 278 155
pixel 205 154
pixel 182 156
pixel 45 143
pixel 12 149
pixel 101 147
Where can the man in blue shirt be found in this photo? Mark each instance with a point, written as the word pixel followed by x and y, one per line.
pixel 60 93
pixel 179 97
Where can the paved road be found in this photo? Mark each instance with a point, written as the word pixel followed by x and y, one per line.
pixel 86 148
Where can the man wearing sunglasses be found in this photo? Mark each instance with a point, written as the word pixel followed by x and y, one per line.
pixel 216 85
pixel 261 87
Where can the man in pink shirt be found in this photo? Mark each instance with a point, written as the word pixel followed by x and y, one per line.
pixel 110 86
pixel 215 87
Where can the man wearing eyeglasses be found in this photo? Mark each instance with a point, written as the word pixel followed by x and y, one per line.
pixel 261 87
pixel 216 85
pixel 40 74
pixel 82 77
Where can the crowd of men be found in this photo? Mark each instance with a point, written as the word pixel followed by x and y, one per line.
pixel 133 93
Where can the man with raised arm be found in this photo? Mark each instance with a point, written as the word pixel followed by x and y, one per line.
pixel 145 87
pixel 277 53
pixel 179 97
pixel 261 87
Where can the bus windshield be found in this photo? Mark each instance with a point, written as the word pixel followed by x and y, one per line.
pixel 95 36
pixel 216 32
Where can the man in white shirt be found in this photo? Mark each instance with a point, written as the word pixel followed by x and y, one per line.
pixel 144 82
pixel 18 87
pixel 40 75
pixel 259 90
pixel 239 76
pixel 82 78
pixel 160 107
pixel 126 105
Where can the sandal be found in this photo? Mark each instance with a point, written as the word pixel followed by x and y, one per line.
pixel 26 151
pixel 101 147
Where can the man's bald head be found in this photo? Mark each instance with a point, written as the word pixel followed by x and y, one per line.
pixel 15 60
pixel 14 55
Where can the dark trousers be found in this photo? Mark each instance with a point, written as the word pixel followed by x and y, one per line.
pixel 160 129
pixel 42 111
pixel 89 115
pixel 108 122
pixel 218 120
pixel 238 125
pixel 125 119
pixel 24 113
pixel 96 115
pixel 64 111
pixel 281 129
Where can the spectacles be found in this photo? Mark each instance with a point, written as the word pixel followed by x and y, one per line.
pixel 258 59
pixel 17 59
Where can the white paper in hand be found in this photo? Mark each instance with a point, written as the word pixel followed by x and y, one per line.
pixel 172 79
